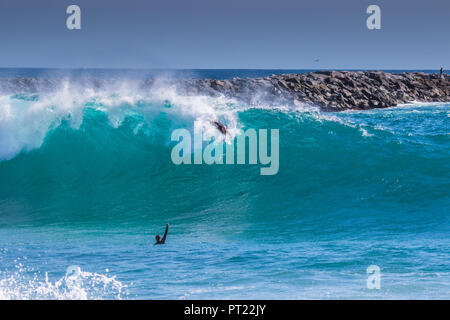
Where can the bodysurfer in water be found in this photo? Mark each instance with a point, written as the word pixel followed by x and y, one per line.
pixel 220 127
pixel 162 240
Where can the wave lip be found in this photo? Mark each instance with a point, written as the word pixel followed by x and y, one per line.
pixel 26 118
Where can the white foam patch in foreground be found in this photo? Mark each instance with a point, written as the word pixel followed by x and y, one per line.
pixel 74 285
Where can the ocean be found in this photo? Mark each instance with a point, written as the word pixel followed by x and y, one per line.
pixel 87 181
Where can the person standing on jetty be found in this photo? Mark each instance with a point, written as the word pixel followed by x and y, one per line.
pixel 442 73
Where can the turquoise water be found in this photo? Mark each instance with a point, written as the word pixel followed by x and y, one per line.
pixel 86 181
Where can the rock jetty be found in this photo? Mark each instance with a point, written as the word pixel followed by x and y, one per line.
pixel 331 90
pixel 328 90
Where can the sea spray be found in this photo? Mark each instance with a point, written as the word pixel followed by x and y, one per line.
pixel 74 285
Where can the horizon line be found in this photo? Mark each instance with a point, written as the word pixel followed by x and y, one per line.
pixel 181 69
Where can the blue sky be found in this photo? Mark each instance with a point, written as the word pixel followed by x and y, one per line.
pixel 226 34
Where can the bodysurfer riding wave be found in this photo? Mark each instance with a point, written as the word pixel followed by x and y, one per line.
pixel 220 127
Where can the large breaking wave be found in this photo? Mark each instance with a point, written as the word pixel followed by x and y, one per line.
pixel 84 152
pixel 82 157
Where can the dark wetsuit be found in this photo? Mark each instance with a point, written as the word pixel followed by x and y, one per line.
pixel 163 239
pixel 220 126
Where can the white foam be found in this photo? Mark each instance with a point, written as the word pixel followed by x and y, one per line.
pixel 24 123
pixel 74 285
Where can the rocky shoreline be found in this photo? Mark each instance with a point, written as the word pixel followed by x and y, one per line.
pixel 328 90
pixel 331 90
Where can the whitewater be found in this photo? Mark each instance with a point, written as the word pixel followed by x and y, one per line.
pixel 86 181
